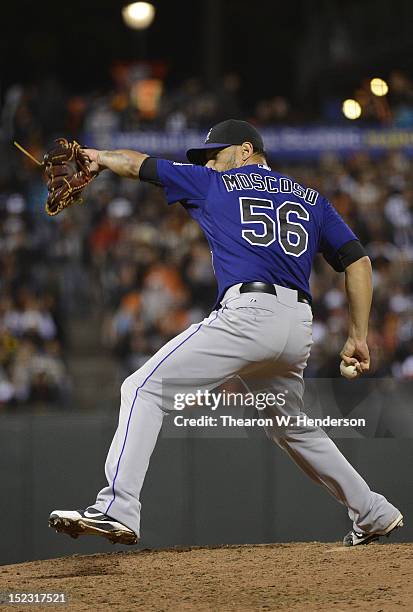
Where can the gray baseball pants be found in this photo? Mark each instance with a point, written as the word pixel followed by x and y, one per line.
pixel 256 336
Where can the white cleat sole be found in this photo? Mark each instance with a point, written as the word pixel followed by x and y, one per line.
pixel 75 527
pixel 352 539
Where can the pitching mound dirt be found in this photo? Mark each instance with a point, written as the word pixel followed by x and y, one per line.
pixel 309 576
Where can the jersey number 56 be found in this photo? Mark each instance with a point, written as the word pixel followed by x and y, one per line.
pixel 292 236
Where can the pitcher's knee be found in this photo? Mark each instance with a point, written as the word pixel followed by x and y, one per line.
pixel 131 384
pixel 139 381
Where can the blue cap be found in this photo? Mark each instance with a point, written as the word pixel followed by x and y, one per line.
pixel 225 134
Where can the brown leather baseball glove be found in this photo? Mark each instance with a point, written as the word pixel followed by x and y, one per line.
pixel 67 172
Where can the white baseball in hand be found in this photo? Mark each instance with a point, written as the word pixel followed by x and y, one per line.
pixel 348 371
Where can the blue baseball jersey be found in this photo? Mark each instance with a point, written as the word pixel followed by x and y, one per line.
pixel 260 225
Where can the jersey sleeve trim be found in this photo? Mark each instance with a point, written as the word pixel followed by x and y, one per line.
pixel 347 254
pixel 350 252
pixel 149 171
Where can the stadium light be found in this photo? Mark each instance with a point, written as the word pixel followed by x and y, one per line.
pixel 378 87
pixel 351 109
pixel 138 15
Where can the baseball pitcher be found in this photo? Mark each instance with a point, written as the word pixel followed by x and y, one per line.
pixel 264 230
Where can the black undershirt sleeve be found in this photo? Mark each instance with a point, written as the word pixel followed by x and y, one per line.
pixel 346 255
pixel 149 171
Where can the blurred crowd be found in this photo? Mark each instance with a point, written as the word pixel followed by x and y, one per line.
pixel 146 269
pixel 32 322
pixel 142 99
pixel 35 113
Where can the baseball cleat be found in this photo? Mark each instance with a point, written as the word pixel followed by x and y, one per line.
pixel 93 522
pixel 353 538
